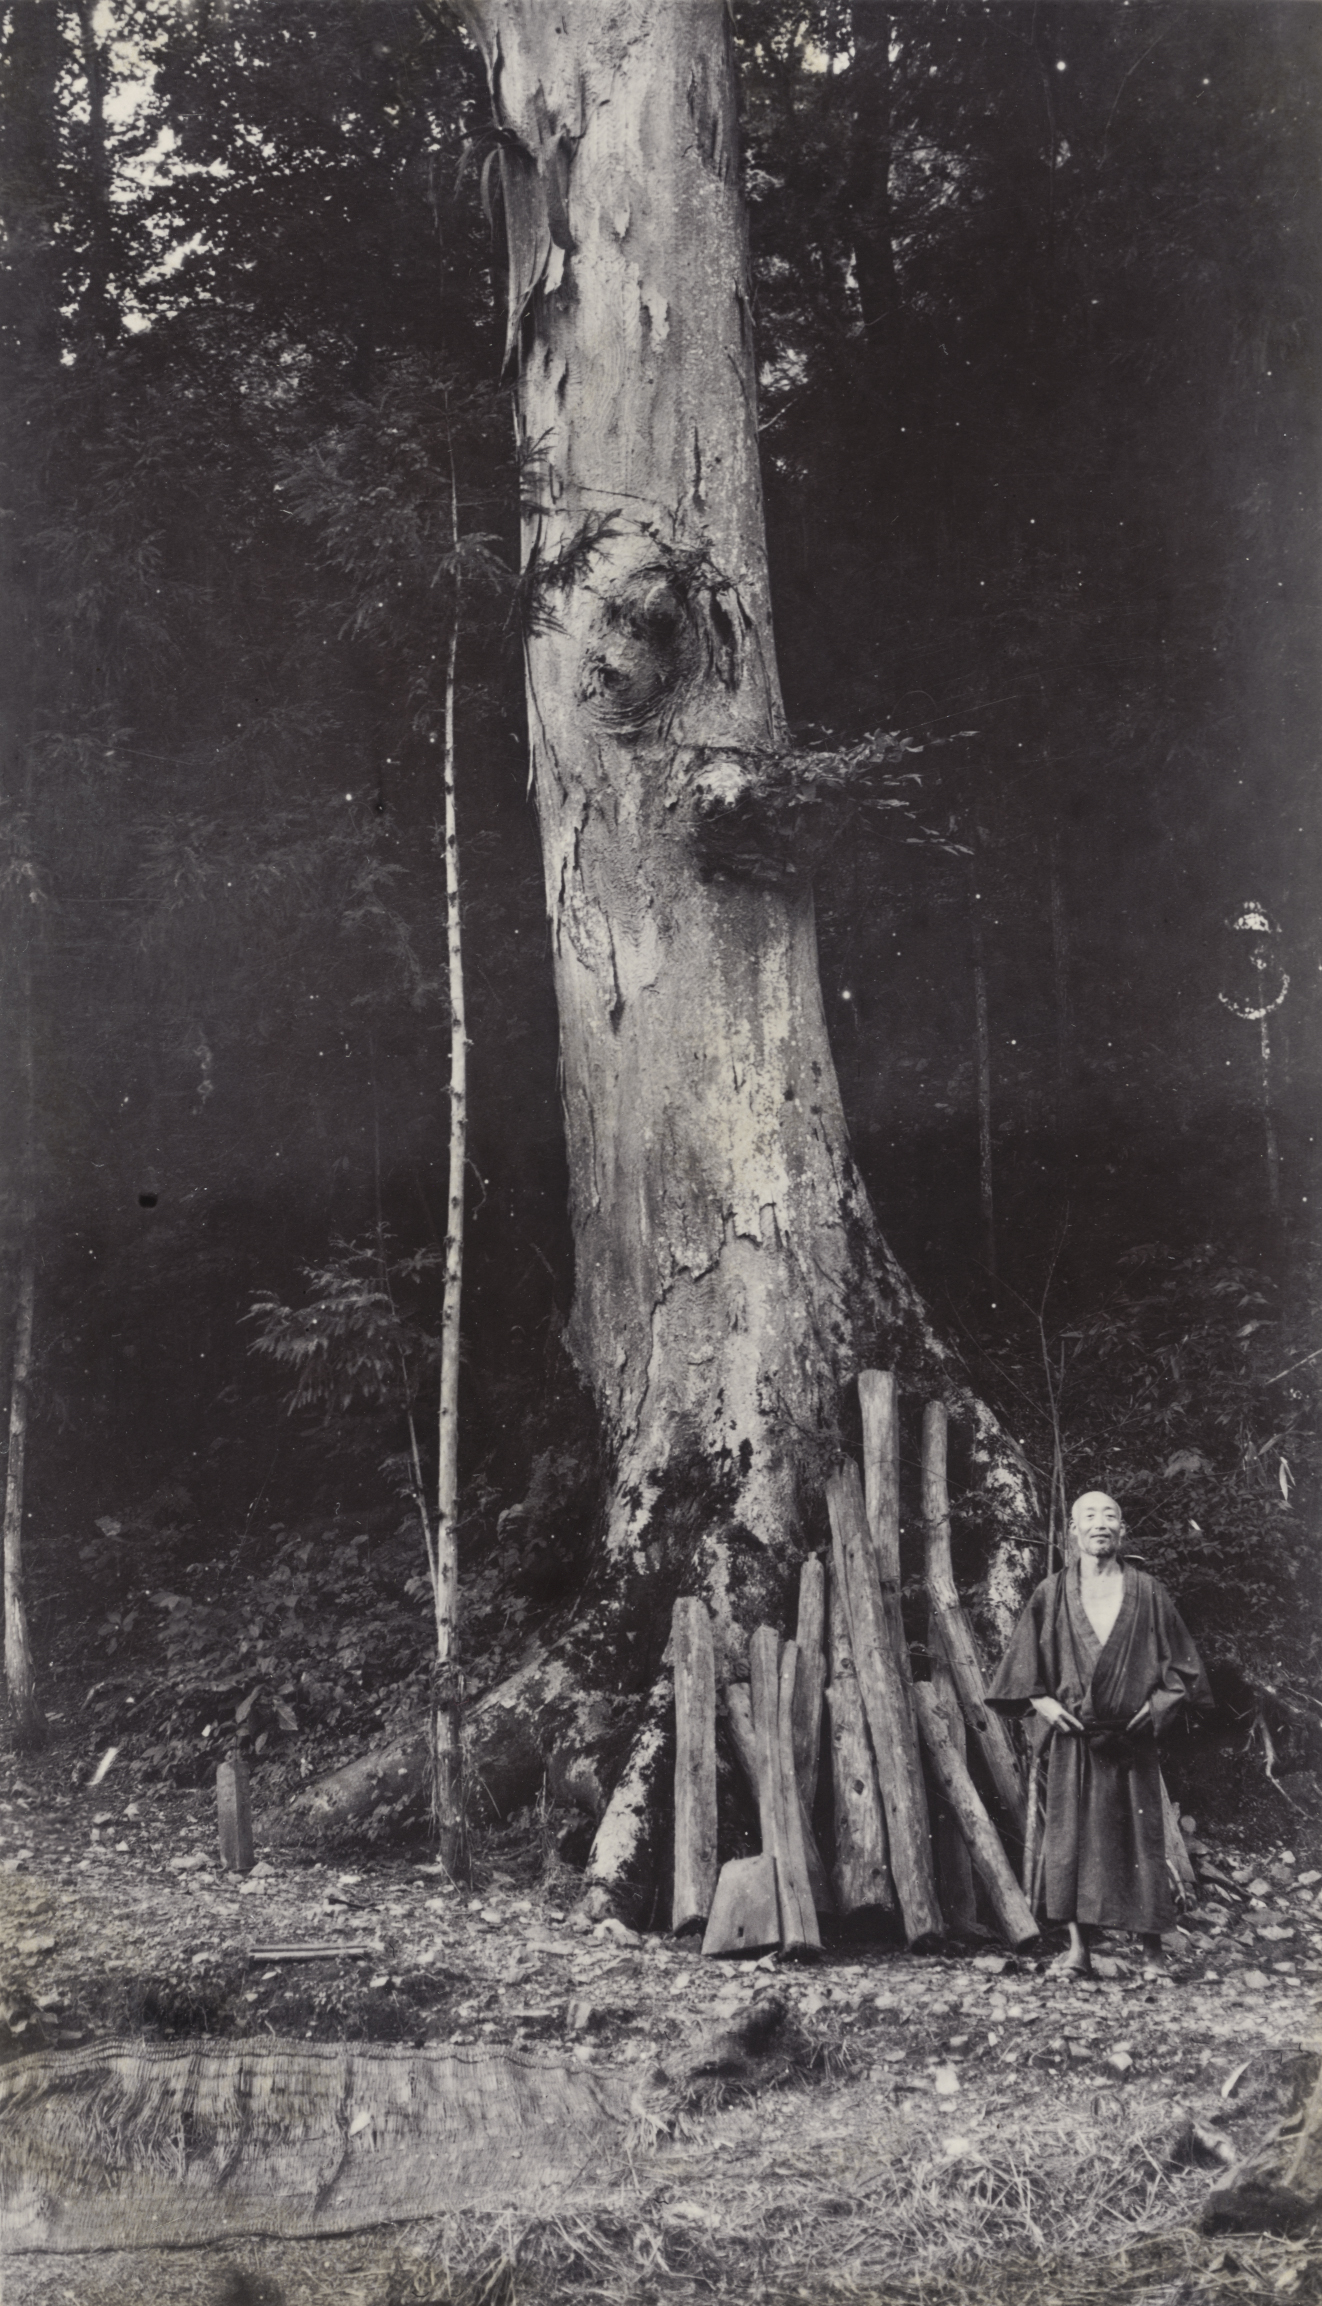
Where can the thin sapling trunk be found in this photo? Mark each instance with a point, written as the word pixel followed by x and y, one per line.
pixel 447 1681
pixel 26 1719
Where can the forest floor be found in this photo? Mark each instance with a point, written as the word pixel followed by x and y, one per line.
pixel 949 2125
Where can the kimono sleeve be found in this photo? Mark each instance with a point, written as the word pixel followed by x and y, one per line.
pixel 1182 1679
pixel 1023 1672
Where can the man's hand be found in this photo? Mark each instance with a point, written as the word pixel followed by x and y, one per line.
pixel 1144 1714
pixel 1053 1711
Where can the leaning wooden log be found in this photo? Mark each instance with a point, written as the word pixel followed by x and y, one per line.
pixel 882 1665
pixel 745 1914
pixel 879 1402
pixel 862 1874
pixel 810 1681
pixel 739 1712
pixel 952 1630
pixel 772 1695
pixel 954 1867
pixel 798 1871
pixel 1008 1902
pixel 695 1765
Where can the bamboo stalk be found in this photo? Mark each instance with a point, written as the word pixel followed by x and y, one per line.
pixel 1008 1902
pixel 951 1627
pixel 886 1688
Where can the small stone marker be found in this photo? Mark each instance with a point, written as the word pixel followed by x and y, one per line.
pixel 234 1812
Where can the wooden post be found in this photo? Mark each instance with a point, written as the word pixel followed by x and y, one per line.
pixel 772 1695
pixel 695 1765
pixel 234 1816
pixel 1008 1901
pixel 951 1628
pixel 810 1682
pixel 862 1868
pixel 882 1664
pixel 740 1714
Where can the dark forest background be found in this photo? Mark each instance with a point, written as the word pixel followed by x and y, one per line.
pixel 1038 317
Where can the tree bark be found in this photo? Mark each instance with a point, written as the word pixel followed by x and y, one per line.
pixel 730 1274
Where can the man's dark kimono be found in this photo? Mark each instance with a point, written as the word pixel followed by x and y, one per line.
pixel 1103 1842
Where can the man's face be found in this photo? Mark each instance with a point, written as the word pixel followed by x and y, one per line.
pixel 1098 1525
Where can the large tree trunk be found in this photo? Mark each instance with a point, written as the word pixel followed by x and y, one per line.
pixel 730 1276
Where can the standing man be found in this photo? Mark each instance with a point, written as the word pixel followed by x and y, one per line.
pixel 1102 1658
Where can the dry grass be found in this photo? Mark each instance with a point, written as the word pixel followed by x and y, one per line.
pixel 881 2205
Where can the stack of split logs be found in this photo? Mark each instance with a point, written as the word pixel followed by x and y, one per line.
pixel 911 1829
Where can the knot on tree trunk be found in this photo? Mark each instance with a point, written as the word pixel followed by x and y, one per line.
pixel 773 815
pixel 661 625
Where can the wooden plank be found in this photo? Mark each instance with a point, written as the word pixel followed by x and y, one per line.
pixel 953 1631
pixel 740 1713
pixel 798 1920
pixel 745 1914
pixel 694 1667
pixel 1008 1901
pixel 881 1663
pixel 810 1681
pixel 878 1400
pixel 234 1816
pixel 862 1870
